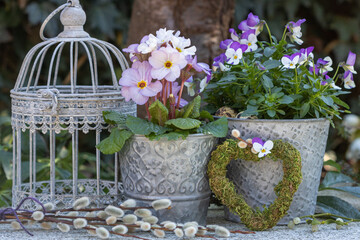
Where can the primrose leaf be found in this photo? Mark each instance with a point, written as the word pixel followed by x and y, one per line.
pixel 115 141
pixel 114 118
pixel 218 128
pixel 184 123
pixel 144 127
pixel 159 113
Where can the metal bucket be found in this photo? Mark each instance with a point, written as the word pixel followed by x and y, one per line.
pixel 176 170
pixel 256 180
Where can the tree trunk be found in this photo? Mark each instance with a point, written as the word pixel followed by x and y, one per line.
pixel 206 22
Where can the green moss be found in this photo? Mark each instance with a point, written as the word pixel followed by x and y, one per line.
pixel 224 189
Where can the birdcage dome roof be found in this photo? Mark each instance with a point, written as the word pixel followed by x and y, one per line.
pixel 51 93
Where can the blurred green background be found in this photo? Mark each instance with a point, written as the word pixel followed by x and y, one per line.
pixel 332 26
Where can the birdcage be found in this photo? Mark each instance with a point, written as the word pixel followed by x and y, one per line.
pixel 50 100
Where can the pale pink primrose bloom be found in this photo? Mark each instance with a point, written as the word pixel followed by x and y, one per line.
pixel 137 83
pixel 149 45
pixel 167 63
pixel 163 35
pixel 183 45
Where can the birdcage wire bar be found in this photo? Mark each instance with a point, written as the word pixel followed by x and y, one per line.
pixel 46 110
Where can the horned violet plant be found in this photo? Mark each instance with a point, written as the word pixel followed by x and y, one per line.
pixel 161 66
pixel 274 79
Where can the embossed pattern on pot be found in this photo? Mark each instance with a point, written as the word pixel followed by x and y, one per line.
pixel 176 170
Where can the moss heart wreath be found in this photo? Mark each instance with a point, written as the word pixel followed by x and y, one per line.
pixel 224 189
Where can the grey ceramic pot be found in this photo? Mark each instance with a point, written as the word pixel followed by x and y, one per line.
pixel 256 180
pixel 176 170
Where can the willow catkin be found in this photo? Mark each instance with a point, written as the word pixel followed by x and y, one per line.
pixel 159 233
pixel 129 219
pixel 80 223
pixel 142 212
pixel 81 203
pixel 37 216
pixel 63 227
pixel 15 225
pixel 161 204
pixel 122 229
pixel 151 219
pixel 179 232
pixel 130 203
pixel 46 225
pixel 145 226
pixel 111 220
pixel 114 211
pixel 102 233
pixel 222 231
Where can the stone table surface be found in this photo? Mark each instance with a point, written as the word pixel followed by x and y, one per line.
pixel 215 216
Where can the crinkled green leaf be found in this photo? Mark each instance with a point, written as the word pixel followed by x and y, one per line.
pixel 192 109
pixel 170 136
pixel 206 115
pixel 115 141
pixel 159 113
pixel 218 128
pixel 267 81
pixel 270 64
pixel 144 127
pixel 269 51
pixel 337 206
pixel 333 164
pixel 184 123
pixel 112 117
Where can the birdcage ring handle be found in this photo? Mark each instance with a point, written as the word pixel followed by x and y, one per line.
pixel 56 11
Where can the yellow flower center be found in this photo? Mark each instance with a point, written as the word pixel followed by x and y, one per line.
pixel 263 150
pixel 168 64
pixel 179 50
pixel 249 44
pixel 291 64
pixel 235 57
pixel 142 84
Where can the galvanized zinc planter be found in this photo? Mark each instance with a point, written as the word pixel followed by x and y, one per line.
pixel 175 170
pixel 44 104
pixel 256 180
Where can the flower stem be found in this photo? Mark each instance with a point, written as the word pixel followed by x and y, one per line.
pixel 284 34
pixel 269 32
pixel 147 110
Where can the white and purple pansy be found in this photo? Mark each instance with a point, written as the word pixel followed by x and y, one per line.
pixel 290 61
pixel 252 22
pixel 350 62
pixel 219 59
pixel 234 52
pixel 306 55
pixel 261 147
pixel 295 31
pixel 249 38
pixel 349 80
pixel 226 43
pixel 234 35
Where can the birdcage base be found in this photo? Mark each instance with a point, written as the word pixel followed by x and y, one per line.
pixel 108 192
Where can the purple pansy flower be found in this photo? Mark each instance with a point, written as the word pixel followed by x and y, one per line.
pixel 219 59
pixel 137 83
pixel 295 31
pixel 349 80
pixel 290 61
pixel 224 44
pixel 249 38
pixel 199 67
pixel 251 22
pixel 305 54
pixel 350 62
pixel 262 148
pixel 233 34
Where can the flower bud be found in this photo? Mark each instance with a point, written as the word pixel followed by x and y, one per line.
pixel 253 151
pixel 235 133
pixel 80 223
pixel 111 220
pixel 46 225
pixel 130 203
pixel 202 230
pixel 190 231
pixel 63 227
pixel 90 214
pixel 297 220
pixel 81 203
pixel 179 232
pixel 222 232
pixel 159 233
pixel 339 220
pixel 314 228
pixel 122 229
pixel 37 216
pixel 161 204
pixel 151 219
pixel 114 211
pixel 249 140
pixel 129 219
pixel 170 225
pixel 338 227
pixel 291 224
pixel 242 144
pixel 145 226
pixel 102 233
pixel 72 214
pixel 142 212
pixel 15 225
pixel 102 215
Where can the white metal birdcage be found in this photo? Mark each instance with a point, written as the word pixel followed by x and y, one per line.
pixel 43 106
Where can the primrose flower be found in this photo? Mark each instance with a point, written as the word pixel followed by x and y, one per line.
pixel 349 80
pixel 182 45
pixel 262 148
pixel 163 35
pixel 137 83
pixel 167 63
pixel 148 44
pixel 252 22
pixel 249 38
pixel 290 61
pixel 350 62
pixel 295 31
pixel 132 50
